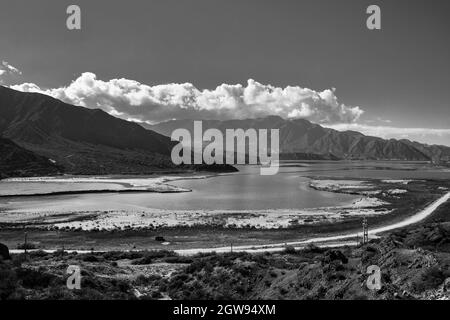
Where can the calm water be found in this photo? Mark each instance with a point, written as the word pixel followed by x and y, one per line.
pixel 244 190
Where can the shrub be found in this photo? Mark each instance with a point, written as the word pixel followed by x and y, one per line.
pixel 333 255
pixel 156 295
pixel 90 258
pixel 290 250
pixel 28 246
pixel 8 281
pixel 178 259
pixel 370 255
pixel 120 255
pixel 142 261
pixel 39 254
pixel 429 279
pixel 283 291
pixel 312 248
pixel 34 279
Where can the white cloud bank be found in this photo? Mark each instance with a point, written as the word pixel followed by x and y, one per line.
pixel 425 135
pixel 130 99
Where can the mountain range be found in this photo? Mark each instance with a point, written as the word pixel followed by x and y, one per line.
pixel 301 139
pixel 79 140
pixel 40 135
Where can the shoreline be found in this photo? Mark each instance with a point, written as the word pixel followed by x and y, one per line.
pixel 65 193
pixel 150 218
pixel 270 230
pixel 154 184
pixel 385 201
pixel 324 242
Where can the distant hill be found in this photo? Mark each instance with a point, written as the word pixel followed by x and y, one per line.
pixel 82 140
pixel 301 139
pixel 17 162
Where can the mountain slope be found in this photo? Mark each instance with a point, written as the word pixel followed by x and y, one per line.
pixel 16 161
pixel 302 139
pixel 81 140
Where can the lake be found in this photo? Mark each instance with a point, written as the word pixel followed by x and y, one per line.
pixel 244 190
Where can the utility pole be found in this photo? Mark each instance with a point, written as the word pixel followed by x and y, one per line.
pixel 25 244
pixel 365 231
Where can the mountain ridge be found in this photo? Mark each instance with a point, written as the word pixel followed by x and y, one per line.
pixel 82 140
pixel 300 136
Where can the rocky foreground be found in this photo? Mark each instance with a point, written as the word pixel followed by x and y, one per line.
pixel 414 263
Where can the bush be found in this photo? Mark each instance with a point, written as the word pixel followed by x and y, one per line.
pixel 429 279
pixel 156 295
pixel 34 279
pixel 283 291
pixel 38 254
pixel 133 255
pixel 290 250
pixel 312 248
pixel 28 246
pixel 178 260
pixel 370 255
pixel 142 261
pixel 120 255
pixel 8 281
pixel 142 280
pixel 90 258
pixel 335 255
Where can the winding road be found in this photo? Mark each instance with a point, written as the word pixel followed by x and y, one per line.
pixel 331 241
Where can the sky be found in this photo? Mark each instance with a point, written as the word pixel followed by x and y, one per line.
pixel 156 60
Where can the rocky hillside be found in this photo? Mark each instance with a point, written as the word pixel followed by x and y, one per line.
pixel 17 162
pixel 414 264
pixel 303 139
pixel 82 140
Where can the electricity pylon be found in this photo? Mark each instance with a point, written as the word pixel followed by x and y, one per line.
pixel 365 231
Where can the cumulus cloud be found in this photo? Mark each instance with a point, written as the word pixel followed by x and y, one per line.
pixel 8 71
pixel 130 99
pixel 424 135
